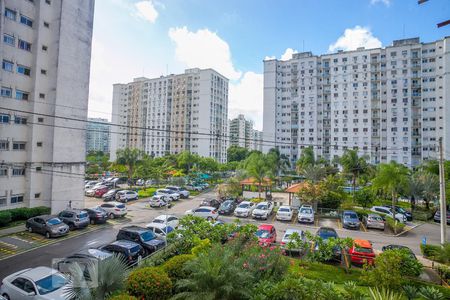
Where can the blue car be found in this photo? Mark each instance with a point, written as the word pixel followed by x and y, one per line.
pixel 350 219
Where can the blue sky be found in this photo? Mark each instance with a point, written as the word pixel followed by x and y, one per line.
pixel 134 38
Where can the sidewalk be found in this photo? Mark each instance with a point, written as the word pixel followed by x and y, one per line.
pixel 11 230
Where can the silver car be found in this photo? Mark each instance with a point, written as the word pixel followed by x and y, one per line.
pixel 374 221
pixel 306 214
pixel 75 218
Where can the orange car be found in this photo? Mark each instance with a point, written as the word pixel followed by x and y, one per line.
pixel 362 252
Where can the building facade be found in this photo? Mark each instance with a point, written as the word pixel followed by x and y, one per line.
pixel 171 114
pixel 98 135
pixel 45 51
pixel 388 103
pixel 243 134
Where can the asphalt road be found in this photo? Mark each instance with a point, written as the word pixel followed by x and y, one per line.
pixel 140 214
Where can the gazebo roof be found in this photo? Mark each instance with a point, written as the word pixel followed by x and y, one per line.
pixel 295 188
pixel 252 181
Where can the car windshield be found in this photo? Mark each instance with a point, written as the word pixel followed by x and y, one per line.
pixel 147 236
pixel 156 198
pixel 120 206
pixel 350 216
pixel 50 283
pixel 306 211
pixel 262 233
pixel 326 234
pixel 226 204
pixel 363 250
pixel 262 206
pixel 159 221
pixel 284 209
pixel 54 221
pixel 82 215
pixel 244 205
pixel 376 218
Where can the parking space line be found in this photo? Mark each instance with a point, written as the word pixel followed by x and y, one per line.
pixel 363 227
pixel 316 222
pixel 339 224
pixel 294 219
pixel 273 218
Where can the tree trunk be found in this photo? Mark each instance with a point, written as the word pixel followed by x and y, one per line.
pixel 413 202
pixel 393 213
pixel 354 187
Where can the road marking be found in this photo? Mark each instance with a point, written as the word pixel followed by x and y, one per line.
pixel 363 227
pixel 273 218
pixel 294 218
pixel 339 224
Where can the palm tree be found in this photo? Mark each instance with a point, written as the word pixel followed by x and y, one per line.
pixel 354 165
pixel 129 158
pixel 414 188
pixel 186 160
pixel 430 186
pixel 256 166
pixel 376 294
pixel 105 278
pixel 314 173
pixel 306 159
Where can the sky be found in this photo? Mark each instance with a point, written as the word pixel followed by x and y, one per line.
pixel 134 38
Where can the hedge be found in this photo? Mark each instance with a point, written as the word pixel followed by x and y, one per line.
pixel 5 218
pixel 436 252
pixel 149 283
pixel 123 296
pixel 396 227
pixel 148 192
pixel 22 213
pixel 174 266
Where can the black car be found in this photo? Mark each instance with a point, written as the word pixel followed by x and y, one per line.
pixel 144 237
pixel 83 258
pixel 97 215
pixel 401 210
pixel 227 207
pixel 211 202
pixel 130 251
pixel 110 195
pixel 50 226
pixel 393 247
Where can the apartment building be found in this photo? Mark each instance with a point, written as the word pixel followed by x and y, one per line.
pixel 243 134
pixel 98 135
pixel 171 114
pixel 45 51
pixel 388 103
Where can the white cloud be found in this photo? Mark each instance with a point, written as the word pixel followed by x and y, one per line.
pixel 354 38
pixel 288 54
pixel 270 57
pixel 146 10
pixel 385 2
pixel 246 97
pixel 203 49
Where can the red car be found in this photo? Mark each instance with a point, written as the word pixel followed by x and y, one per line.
pixel 362 252
pixel 266 234
pixel 99 192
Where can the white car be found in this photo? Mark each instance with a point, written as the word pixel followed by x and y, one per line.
pixel 387 211
pixel 160 229
pixel 35 283
pixel 159 201
pixel 90 184
pixel 170 220
pixel 207 212
pixel 114 209
pixel 284 213
pixel 168 193
pixel 191 187
pixel 288 236
pixel 262 210
pixel 305 214
pixel 244 209
pixel 126 195
pixel 140 182
pixel 183 192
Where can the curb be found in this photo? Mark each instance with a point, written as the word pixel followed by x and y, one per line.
pixel 407 230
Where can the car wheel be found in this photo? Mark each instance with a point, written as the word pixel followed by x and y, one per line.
pixel 71 226
pixel 47 235
pixel 92 221
pixel 30 229
pixel 125 200
pixel 111 216
pixel 6 296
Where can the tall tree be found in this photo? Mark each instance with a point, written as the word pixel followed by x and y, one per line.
pixel 414 188
pixel 278 162
pixel 236 153
pixel 186 160
pixel 306 159
pixel 257 167
pixel 430 186
pixel 313 173
pixel 129 158
pixel 353 165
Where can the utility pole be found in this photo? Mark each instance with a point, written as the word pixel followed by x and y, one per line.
pixel 443 202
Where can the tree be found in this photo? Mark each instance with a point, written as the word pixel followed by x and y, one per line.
pixel 306 159
pixel 129 158
pixel 186 161
pixel 236 153
pixel 353 165
pixel 257 167
pixel 414 188
pixel 207 164
pixel 331 192
pixel 313 173
pixel 430 186
pixel 278 162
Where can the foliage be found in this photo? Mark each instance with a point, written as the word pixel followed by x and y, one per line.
pixel 444 272
pixel 173 248
pixel 148 192
pixel 411 292
pixel 394 225
pixel 325 250
pixel 201 246
pixel 149 283
pixel 257 167
pixel 236 153
pixel 122 296
pixel 313 173
pixel 437 252
pixel 129 158
pixel 364 197
pixel 277 162
pixel 383 294
pixel 391 268
pixel 325 272
pixel 21 213
pixel 231 188
pixel 332 193
pixel 186 160
pixel 309 193
pixel 353 165
pixel 352 291
pixel 306 159
pixel 5 218
pixel 430 293
pixel 174 266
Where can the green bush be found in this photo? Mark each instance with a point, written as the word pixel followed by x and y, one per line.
pixel 436 252
pixel 396 227
pixel 422 215
pixel 123 296
pixel 149 283
pixel 5 218
pixel 161 256
pixel 145 193
pixel 444 272
pixel 174 266
pixel 364 197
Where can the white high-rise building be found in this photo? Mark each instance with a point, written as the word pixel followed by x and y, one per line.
pixel 243 134
pixel 98 135
pixel 173 113
pixel 45 49
pixel 388 103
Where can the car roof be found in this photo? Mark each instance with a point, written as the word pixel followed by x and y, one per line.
pixel 38 273
pixel 291 231
pixel 326 229
pixel 349 212
pixel 73 210
pixel 45 217
pixel 163 217
pixel 208 207
pixel 246 202
pixel 157 225
pixel 363 243
pixel 284 206
pixel 125 244
pixel 265 226
pixel 134 229
pixel 114 203
pixel 374 215
pixel 263 202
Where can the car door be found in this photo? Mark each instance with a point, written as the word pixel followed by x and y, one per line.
pixel 172 221
pixel 39 225
pixel 19 289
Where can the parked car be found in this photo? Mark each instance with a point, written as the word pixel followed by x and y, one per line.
pixel 75 218
pixel 266 234
pixel 90 184
pixel 400 247
pixel 262 210
pixel 160 229
pixel 227 207
pixel 402 211
pixel 131 251
pixel 437 217
pixel 207 212
pixel 140 182
pixel 83 258
pixel 191 187
pixel 142 236
pixel 284 213
pixel 361 252
pixel 374 221
pixel 114 209
pixel 173 196
pixel 182 191
pixel 110 195
pixel 90 192
pixel 350 219
pixel 287 238
pixel 159 201
pixel 305 214
pixel 386 211
pixel 126 195
pixel 34 283
pixel 50 226
pixel 149 182
pixel 327 233
pixel 97 215
pixel 170 220
pixel 100 191
pixel 244 209
pixel 211 202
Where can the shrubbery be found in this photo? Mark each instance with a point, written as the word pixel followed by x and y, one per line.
pixel 123 296
pixel 5 218
pixel 174 266
pixel 21 213
pixel 436 252
pixel 149 283
pixel 145 193
pixel 396 227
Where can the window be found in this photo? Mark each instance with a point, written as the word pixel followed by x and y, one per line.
pixel 6 92
pixel 26 21
pixel 20 120
pixel 48 2
pixel 4 118
pixel 40 120
pixel 3 171
pixel 18 171
pixel 43 72
pixel 46 25
pixel 7 65
pixel 23 70
pixel 44 48
pixel 19 146
pixel 4 145
pixel 9 39
pixel 37 195
pixel 41 96
pixel 10 14
pixel 2 201
pixel 16 199
pixel 21 95
pixel 24 45
pixel 39 144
